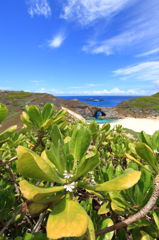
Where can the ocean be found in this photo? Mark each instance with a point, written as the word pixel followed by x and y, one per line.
pixel 100 101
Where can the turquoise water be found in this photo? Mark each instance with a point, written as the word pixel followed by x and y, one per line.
pixel 103 120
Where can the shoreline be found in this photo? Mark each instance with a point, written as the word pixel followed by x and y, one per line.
pixel 148 125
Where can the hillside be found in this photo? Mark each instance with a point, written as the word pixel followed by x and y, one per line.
pixel 16 101
pixel 147 105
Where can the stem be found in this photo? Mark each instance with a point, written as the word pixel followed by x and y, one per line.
pixel 12 176
pixel 12 159
pixel 10 221
pixel 39 140
pixel 142 213
pixel 38 224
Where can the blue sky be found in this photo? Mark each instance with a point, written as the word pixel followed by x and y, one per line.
pixel 80 47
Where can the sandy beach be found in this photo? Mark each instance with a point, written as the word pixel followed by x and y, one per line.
pixel 139 124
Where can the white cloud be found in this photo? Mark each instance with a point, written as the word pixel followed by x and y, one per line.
pixel 113 44
pixel 145 71
pixel 92 85
pixel 51 91
pixel 139 27
pixel 115 91
pixel 39 7
pixel 151 52
pixel 86 86
pixel 57 41
pixel 87 11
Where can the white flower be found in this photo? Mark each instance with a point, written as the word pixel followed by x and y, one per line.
pixel 67 175
pixel 92 182
pixel 156 152
pixel 70 187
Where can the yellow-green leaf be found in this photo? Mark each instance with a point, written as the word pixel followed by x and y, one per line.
pixel 122 182
pixel 56 175
pixel 146 153
pixel 47 111
pixel 68 219
pixel 90 235
pixel 80 141
pixel 87 164
pixel 106 223
pixel 26 120
pixel 36 208
pixel 104 208
pixel 4 135
pixel 145 236
pixel 3 112
pixel 39 194
pixel 31 165
pixel 116 208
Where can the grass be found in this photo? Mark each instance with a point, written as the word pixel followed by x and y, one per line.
pixel 144 103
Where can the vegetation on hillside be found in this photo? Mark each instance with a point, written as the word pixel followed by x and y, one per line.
pixel 73 180
pixel 143 103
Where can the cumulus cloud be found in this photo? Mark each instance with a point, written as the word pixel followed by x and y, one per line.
pixel 145 71
pixel 39 7
pixel 57 41
pixel 87 11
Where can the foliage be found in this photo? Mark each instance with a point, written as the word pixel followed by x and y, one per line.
pixel 150 102
pixel 62 180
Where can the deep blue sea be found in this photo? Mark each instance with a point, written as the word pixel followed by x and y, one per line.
pixel 107 101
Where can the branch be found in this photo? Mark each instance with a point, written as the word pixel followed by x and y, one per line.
pixel 11 174
pixel 10 221
pixel 38 224
pixel 39 140
pixel 12 159
pixel 142 213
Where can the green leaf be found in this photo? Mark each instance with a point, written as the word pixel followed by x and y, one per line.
pixel 90 235
pixel 80 142
pixel 26 120
pixel 39 194
pixel 145 236
pixel 36 208
pixel 3 112
pixel 47 111
pixel 56 175
pixel 155 140
pixel 35 115
pixel 87 164
pixel 122 182
pixel 156 219
pixel 56 155
pixel 7 133
pixel 68 219
pixel 104 208
pixel 35 236
pixel 56 136
pixel 145 138
pixel 29 164
pixel 106 127
pixel 106 223
pixel 147 155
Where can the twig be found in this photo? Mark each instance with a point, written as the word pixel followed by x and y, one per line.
pixel 12 159
pixel 142 213
pixel 12 175
pixel 10 221
pixel 38 224
pixel 39 140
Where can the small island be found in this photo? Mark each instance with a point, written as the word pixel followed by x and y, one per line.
pixel 94 99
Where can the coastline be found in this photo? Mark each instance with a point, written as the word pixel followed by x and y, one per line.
pixel 149 125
